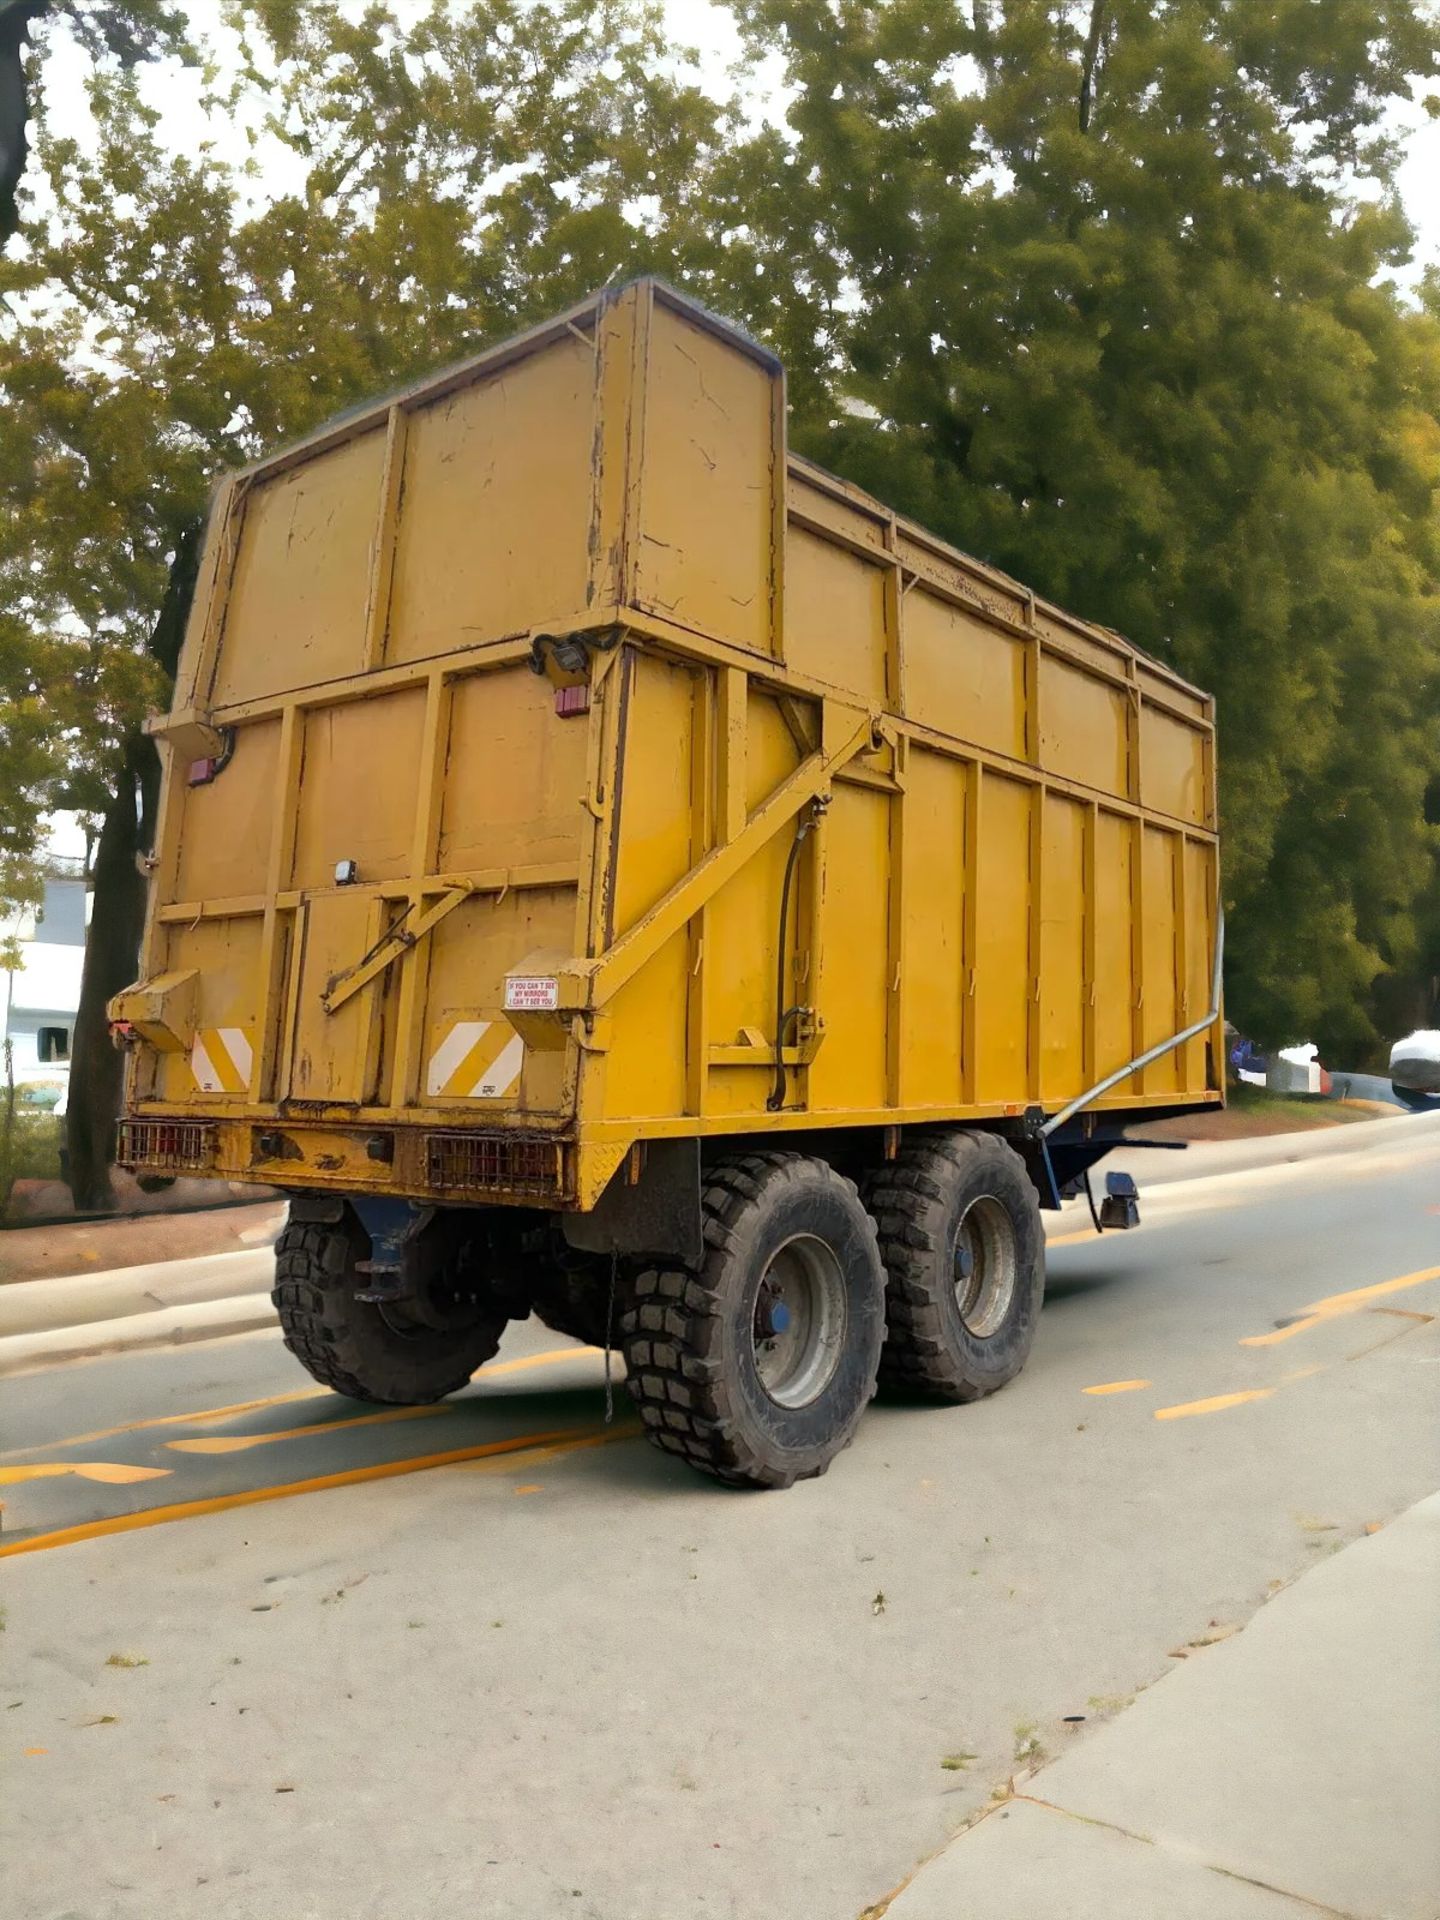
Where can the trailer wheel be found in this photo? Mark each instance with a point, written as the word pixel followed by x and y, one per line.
pixel 757 1368
pixel 964 1255
pixel 363 1350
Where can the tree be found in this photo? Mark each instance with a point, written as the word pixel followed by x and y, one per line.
pixel 454 178
pixel 1119 305
pixel 1110 278
pixel 48 696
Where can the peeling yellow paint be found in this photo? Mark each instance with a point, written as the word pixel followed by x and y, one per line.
pixel 1336 1304
pixel 207 1416
pixel 110 1473
pixel 255 1496
pixel 242 1442
pixel 622 1430
pixel 1217 1404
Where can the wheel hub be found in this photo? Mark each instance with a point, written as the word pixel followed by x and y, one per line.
pixel 986 1266
pixel 799 1321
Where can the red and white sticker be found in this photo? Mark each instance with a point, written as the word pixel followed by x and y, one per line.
pixel 531 993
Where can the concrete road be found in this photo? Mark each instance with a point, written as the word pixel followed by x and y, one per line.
pixel 505 1656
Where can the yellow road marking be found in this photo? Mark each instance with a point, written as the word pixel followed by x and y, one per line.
pixel 622 1430
pixel 1337 1304
pixel 547 1359
pixel 1068 1239
pixel 242 1442
pixel 1215 1405
pixel 209 1415
pixel 1118 1386
pixel 254 1496
pixel 201 1419
pixel 110 1473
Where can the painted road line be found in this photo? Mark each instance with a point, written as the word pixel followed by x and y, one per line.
pixel 622 1430
pixel 1069 1239
pixel 109 1473
pixel 547 1359
pixel 242 1442
pixel 1119 1386
pixel 1337 1304
pixel 254 1496
pixel 1216 1405
pixel 208 1416
pixel 205 1417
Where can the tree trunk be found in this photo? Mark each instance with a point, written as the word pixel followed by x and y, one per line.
pixel 117 919
pixel 1089 60
pixel 112 949
pixel 15 18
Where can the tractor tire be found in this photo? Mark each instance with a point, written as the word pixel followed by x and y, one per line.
pixel 757 1368
pixel 964 1255
pixel 356 1347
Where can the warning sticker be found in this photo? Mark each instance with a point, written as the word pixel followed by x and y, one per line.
pixel 531 993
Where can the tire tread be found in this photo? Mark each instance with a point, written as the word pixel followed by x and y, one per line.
pixel 686 1402
pixel 909 1199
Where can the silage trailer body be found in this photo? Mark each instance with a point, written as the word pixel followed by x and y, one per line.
pixel 570 793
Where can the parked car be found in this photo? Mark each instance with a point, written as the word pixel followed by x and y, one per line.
pixel 41 1090
pixel 1415 1068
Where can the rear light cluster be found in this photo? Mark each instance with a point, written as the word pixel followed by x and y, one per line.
pixel 493 1163
pixel 168 1146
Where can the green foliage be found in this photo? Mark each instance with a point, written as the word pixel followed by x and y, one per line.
pixel 30 1145
pixel 1112 279
pixel 1122 311
pixel 452 178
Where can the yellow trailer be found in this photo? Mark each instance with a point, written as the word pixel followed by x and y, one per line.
pixel 610 867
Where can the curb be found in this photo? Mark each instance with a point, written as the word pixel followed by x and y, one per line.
pixel 1205 1158
pixel 165 1327
pixel 81 1299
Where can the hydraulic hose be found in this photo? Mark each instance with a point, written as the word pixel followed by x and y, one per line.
pixel 784 1014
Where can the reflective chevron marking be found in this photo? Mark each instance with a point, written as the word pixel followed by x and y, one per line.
pixel 477 1060
pixel 221 1058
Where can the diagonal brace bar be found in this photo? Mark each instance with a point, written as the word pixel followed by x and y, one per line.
pixel 400 939
pixel 590 983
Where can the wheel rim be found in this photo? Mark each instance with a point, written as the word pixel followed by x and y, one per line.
pixel 986 1266
pixel 799 1325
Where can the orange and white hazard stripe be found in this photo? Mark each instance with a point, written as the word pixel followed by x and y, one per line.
pixel 475 1060
pixel 221 1059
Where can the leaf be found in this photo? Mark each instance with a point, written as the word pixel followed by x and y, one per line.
pixel 1214 1634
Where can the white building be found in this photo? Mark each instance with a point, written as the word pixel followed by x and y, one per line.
pixel 42 995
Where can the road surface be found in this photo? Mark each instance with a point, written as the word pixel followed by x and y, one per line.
pixel 503 1657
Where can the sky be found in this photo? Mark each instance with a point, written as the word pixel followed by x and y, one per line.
pixel 709 29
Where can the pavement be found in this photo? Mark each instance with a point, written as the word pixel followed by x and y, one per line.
pixel 269 1653
pixel 104 1245
pixel 33 1202
pixel 1288 1770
